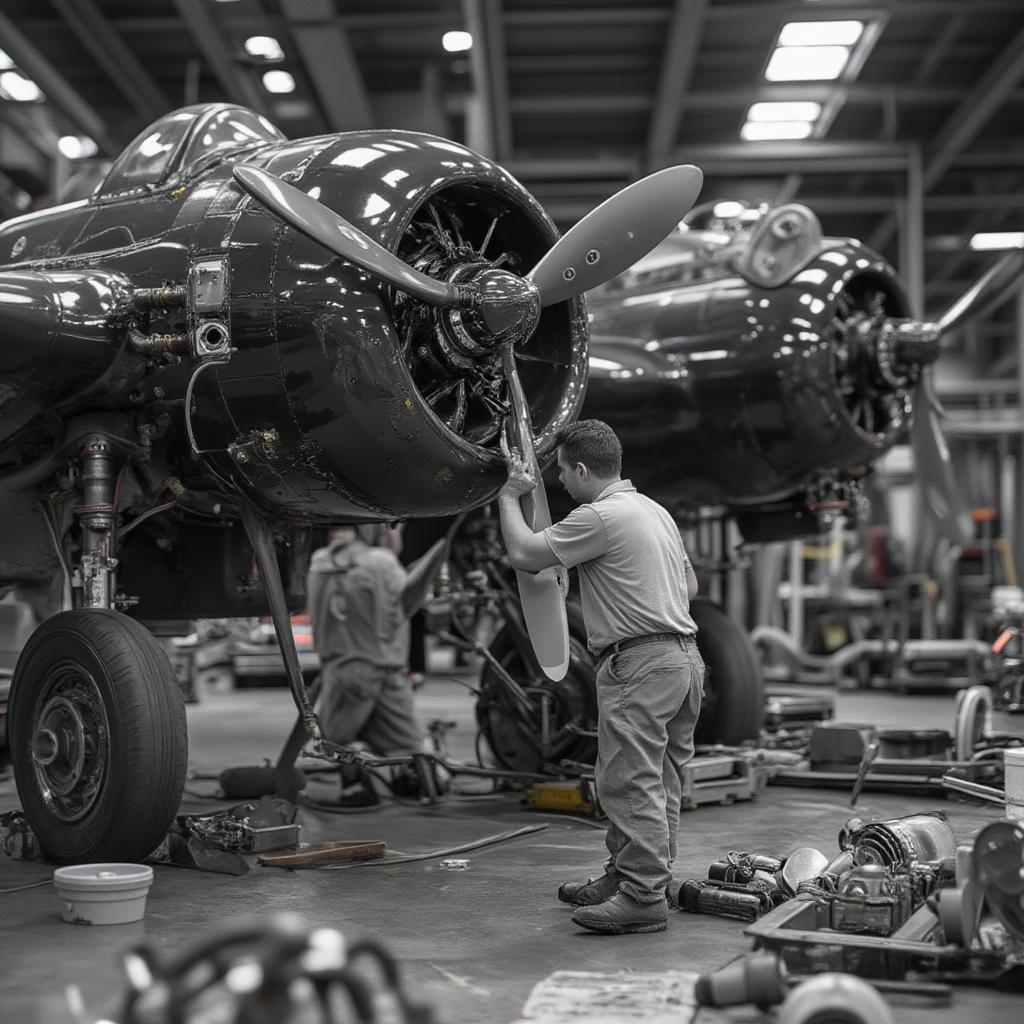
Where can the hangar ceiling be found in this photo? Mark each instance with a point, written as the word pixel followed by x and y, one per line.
pixel 918 145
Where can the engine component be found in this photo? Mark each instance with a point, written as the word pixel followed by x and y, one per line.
pixel 834 999
pixel 998 866
pixel 802 865
pixel 742 866
pixel 727 899
pixel 871 900
pixel 759 979
pixel 899 843
pixel 972 720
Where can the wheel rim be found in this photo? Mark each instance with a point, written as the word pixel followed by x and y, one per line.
pixel 70 746
pixel 515 741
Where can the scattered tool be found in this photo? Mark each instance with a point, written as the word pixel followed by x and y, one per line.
pixel 315 854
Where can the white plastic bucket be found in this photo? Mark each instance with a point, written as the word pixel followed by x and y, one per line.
pixel 103 893
pixel 1013 765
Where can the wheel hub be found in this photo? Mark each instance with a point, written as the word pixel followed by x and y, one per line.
pixel 70 744
pixel 45 747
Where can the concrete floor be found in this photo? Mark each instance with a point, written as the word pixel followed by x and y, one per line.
pixel 472 943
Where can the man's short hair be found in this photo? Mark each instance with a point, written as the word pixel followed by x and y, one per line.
pixel 593 443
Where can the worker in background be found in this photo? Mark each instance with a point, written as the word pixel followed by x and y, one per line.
pixel 361 635
pixel 636 582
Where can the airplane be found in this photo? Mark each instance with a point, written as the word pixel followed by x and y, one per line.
pixel 239 338
pixel 236 340
pixel 755 369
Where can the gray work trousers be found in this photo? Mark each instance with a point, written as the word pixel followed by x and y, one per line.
pixel 648 699
pixel 360 701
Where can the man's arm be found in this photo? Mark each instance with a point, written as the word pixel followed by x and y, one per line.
pixel 691 582
pixel 527 551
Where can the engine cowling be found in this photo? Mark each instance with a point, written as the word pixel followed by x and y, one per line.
pixel 726 393
pixel 343 398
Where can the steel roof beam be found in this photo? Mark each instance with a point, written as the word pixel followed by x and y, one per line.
pixel 745 159
pixel 939 49
pixel 220 57
pixel 973 113
pixel 330 62
pixel 492 122
pixel 56 87
pixel 114 56
pixel 853 11
pixel 18 153
pixel 677 63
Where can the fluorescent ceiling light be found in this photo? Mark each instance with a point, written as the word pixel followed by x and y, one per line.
pixel 278 81
pixel 17 87
pixel 997 240
pixel 5 61
pixel 76 147
pixel 457 42
pixel 758 131
pixel 820 33
pixel 806 63
pixel 798 110
pixel 264 46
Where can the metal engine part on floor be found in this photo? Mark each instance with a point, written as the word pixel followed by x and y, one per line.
pixel 800 932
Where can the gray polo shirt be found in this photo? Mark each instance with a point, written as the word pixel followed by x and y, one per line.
pixel 631 562
pixel 354 594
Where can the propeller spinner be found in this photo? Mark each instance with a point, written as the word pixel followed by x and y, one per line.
pixel 501 310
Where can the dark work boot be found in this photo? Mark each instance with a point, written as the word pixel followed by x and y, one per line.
pixel 621 914
pixel 590 892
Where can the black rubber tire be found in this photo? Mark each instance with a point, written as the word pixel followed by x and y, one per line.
pixel 511 739
pixel 84 670
pixel 733 709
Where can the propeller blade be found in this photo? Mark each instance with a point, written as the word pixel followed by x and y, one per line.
pixel 614 235
pixel 940 490
pixel 985 291
pixel 310 217
pixel 541 594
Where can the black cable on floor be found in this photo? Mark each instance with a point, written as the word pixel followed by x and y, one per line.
pixel 31 885
pixel 409 858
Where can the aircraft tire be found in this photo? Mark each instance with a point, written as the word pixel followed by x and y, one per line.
pixel 514 741
pixel 733 708
pixel 98 737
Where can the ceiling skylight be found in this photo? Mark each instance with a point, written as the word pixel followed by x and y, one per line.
pixel 798 110
pixel 806 63
pixel 809 51
pixel 759 131
pixel 820 33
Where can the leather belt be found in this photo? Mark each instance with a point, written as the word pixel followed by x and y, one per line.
pixel 647 638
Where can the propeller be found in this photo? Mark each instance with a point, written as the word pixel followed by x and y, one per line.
pixel 501 310
pixel 941 489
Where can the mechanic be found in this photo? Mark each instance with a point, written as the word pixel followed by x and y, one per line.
pixel 636 582
pixel 361 634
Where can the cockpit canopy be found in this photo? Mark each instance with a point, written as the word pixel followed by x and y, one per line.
pixel 183 142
